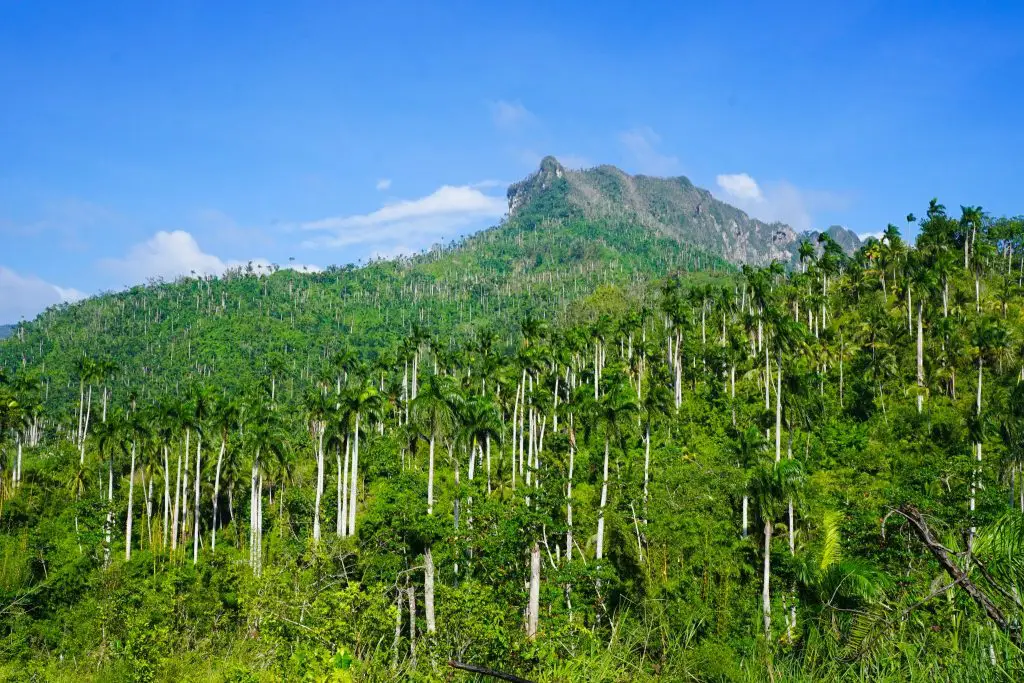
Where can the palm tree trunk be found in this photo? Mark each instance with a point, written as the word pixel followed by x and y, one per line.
pixel 977 471
pixel 568 493
pixel 647 464
pixel 128 515
pixel 766 596
pixel 319 481
pixel 344 488
pixel 746 507
pixel 428 588
pixel 430 479
pixel 259 527
pixel 254 510
pixel 167 495
pixel 174 520
pixel 515 428
pixel 488 440
pixel 184 490
pixel 534 606
pixel 778 413
pixel 338 517
pixel 354 487
pixel 149 509
pixel 604 501
pixel 108 526
pixel 195 508
pixel 920 358
pixel 216 495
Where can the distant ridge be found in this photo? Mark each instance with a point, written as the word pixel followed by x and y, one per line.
pixel 671 207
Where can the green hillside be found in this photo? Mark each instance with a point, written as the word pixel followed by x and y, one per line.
pixel 577 446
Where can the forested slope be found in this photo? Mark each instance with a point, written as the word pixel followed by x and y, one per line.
pixel 550 450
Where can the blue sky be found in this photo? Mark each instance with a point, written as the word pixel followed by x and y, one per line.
pixel 140 140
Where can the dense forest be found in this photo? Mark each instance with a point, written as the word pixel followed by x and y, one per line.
pixel 566 448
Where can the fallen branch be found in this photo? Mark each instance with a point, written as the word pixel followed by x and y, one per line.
pixel 486 672
pixel 944 556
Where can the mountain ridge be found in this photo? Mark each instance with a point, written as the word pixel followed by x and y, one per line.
pixel 672 207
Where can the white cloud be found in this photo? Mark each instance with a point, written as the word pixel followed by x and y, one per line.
pixel 383 184
pixel 641 146
pixel 25 296
pixel 416 223
pixel 777 201
pixel 740 185
pixel 169 255
pixel 509 115
pixel 865 236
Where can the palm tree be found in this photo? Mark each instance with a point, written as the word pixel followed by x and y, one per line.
pixel 772 487
pixel 227 415
pixel 203 407
pixel 806 253
pixel 111 438
pixel 319 408
pixel 609 414
pixel 166 420
pixel 137 429
pixel 362 400
pixel 482 426
pixel 989 341
pixel 432 413
pixel 747 447
pixel 265 437
pixel 657 403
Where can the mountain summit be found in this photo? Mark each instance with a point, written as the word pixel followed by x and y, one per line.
pixel 671 207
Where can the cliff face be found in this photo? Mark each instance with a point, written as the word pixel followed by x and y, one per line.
pixel 673 207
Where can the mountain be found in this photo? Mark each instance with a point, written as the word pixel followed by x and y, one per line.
pixel 544 260
pixel 670 207
pixel 6 331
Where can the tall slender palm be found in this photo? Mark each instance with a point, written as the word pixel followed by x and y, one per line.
pixel 772 487
pixel 319 408
pixel 656 404
pixel 433 414
pixel 362 401
pixel 227 416
pixel 264 435
pixel 203 408
pixel 111 437
pixel 138 431
pixel 989 341
pixel 609 415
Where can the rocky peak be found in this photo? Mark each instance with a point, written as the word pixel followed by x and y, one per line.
pixel 544 178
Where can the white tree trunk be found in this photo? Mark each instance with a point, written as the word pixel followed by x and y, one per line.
pixel 766 596
pixel 195 509
pixel 430 478
pixel 216 495
pixel 338 515
pixel 128 515
pixel 647 464
pixel 174 515
pixel 167 496
pixel 344 488
pixel 533 609
pixel 778 415
pixel 428 588
pixel 604 501
pixel 354 486
pixel 319 481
